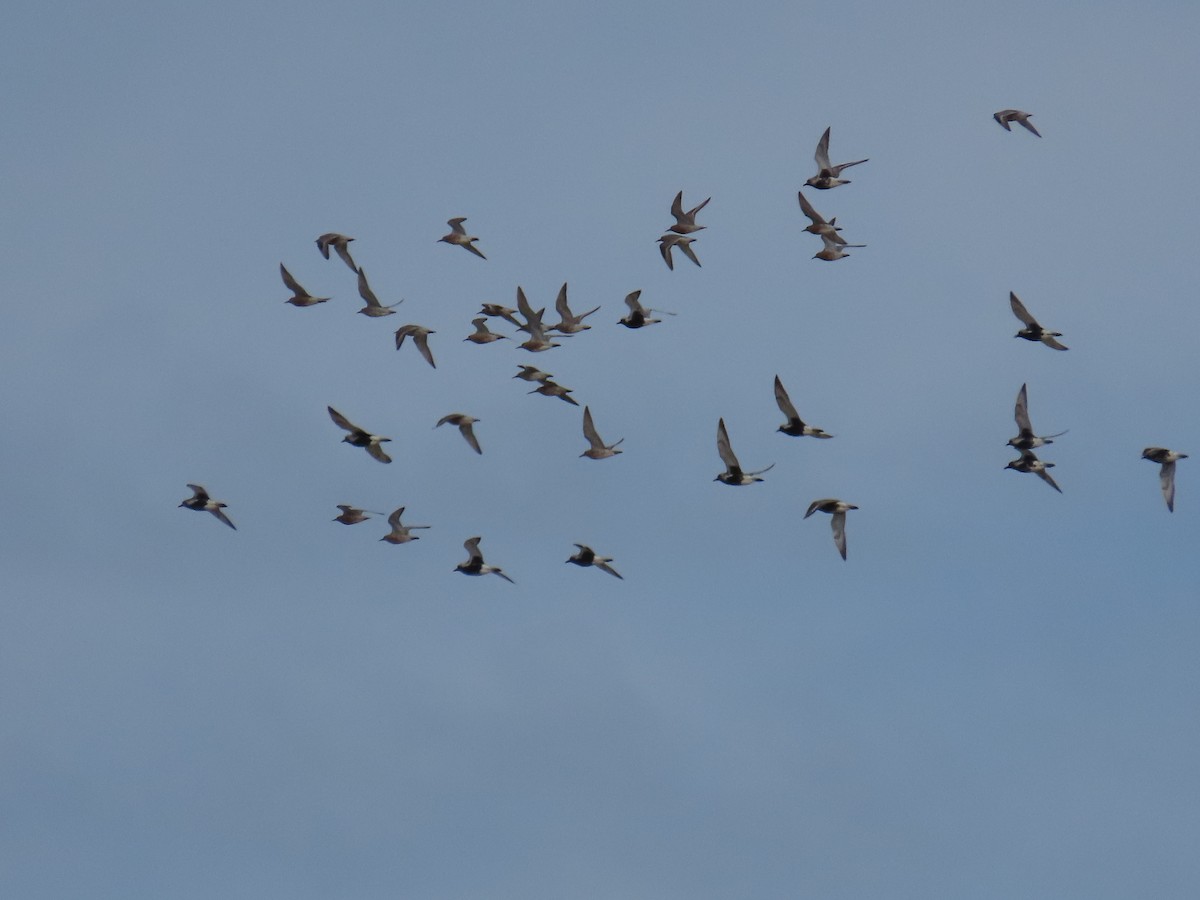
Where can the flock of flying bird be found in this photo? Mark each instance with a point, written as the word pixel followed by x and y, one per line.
pixel 530 322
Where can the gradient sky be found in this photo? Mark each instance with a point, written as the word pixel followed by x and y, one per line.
pixel 994 697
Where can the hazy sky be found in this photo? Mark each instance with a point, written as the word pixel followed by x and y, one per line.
pixel 995 696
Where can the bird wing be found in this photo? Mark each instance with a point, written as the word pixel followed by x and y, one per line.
pixel 1166 478
pixel 589 430
pixel 1020 311
pixel 686 247
pixel 341 421
pixel 784 401
pixel 199 493
pixel 723 448
pixel 1049 341
pixel 560 304
pixel 456 224
pixel 822 154
pixel 664 247
pixel 631 300
pixel 468 431
pixel 808 210
pixel 421 338
pixel 677 207
pixel 292 284
pixel 364 290
pixel 394 518
pixel 1021 412
pixel 220 514
pixel 471 545
pixel 376 451
pixel 839 532
pixel 603 566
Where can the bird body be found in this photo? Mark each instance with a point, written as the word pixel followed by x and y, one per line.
pixel 794 426
pixel 597 449
pixel 300 297
pixel 459 237
pixel 1015 115
pixel 733 474
pixel 588 557
pixel 1166 477
pixel 475 565
pixel 359 437
pixel 836 508
pixel 202 502
pixel 828 176
pixel 464 423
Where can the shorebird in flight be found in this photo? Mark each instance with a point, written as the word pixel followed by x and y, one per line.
pixel 202 502
pixel 1014 115
pixel 341 244
pixel 475 564
pixel 1030 463
pixel 1166 475
pixel 671 241
pixel 598 449
pixel 828 176
pixel 420 335
pixel 795 426
pixel 733 473
pixel 685 222
pixel 464 423
pixel 400 534
pixel 300 297
pixel 359 437
pixel 588 557
pixel 459 237
pixel 1032 330
pixel 1026 439
pixel 374 309
pixel 837 508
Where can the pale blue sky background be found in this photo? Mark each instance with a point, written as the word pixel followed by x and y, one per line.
pixel 994 697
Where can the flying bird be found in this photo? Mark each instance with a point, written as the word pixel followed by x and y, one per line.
pixel 837 508
pixel 202 502
pixel 1026 439
pixel 795 426
pixel 638 315
pixel 1030 463
pixel 685 222
pixel 340 243
pixel 1032 330
pixel 819 226
pixel 301 296
pixel 420 335
pixel 1166 476
pixel 495 310
pixel 475 564
pixel 549 388
pixel 352 515
pixel 598 449
pixel 532 373
pixel 464 423
pixel 833 249
pixel 733 473
pixel 360 438
pixel 828 176
pixel 570 323
pixel 400 534
pixel 533 324
pixel 671 241
pixel 374 309
pixel 458 236
pixel 588 557
pixel 1014 115
pixel 481 334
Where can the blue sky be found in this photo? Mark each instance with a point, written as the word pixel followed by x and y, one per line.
pixel 993 697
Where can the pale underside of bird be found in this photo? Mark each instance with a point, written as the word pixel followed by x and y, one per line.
pixel 819 226
pixel 202 502
pixel 549 388
pixel 475 564
pixel 1030 463
pixel 374 308
pixel 465 425
pixel 532 373
pixel 420 335
pixel 1026 439
pixel 638 315
pixel 341 244
pixel 569 322
pixel 352 515
pixel 300 297
pixel 597 449
pixel 685 222
pixel 1166 475
pixel 837 509
pixel 359 437
pixel 733 474
pixel 588 557
pixel 1015 115
pixel 1032 330
pixel 533 324
pixel 481 334
pixel 459 237
pixel 833 249
pixel 400 534
pixel 669 242
pixel 794 426
pixel 828 176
